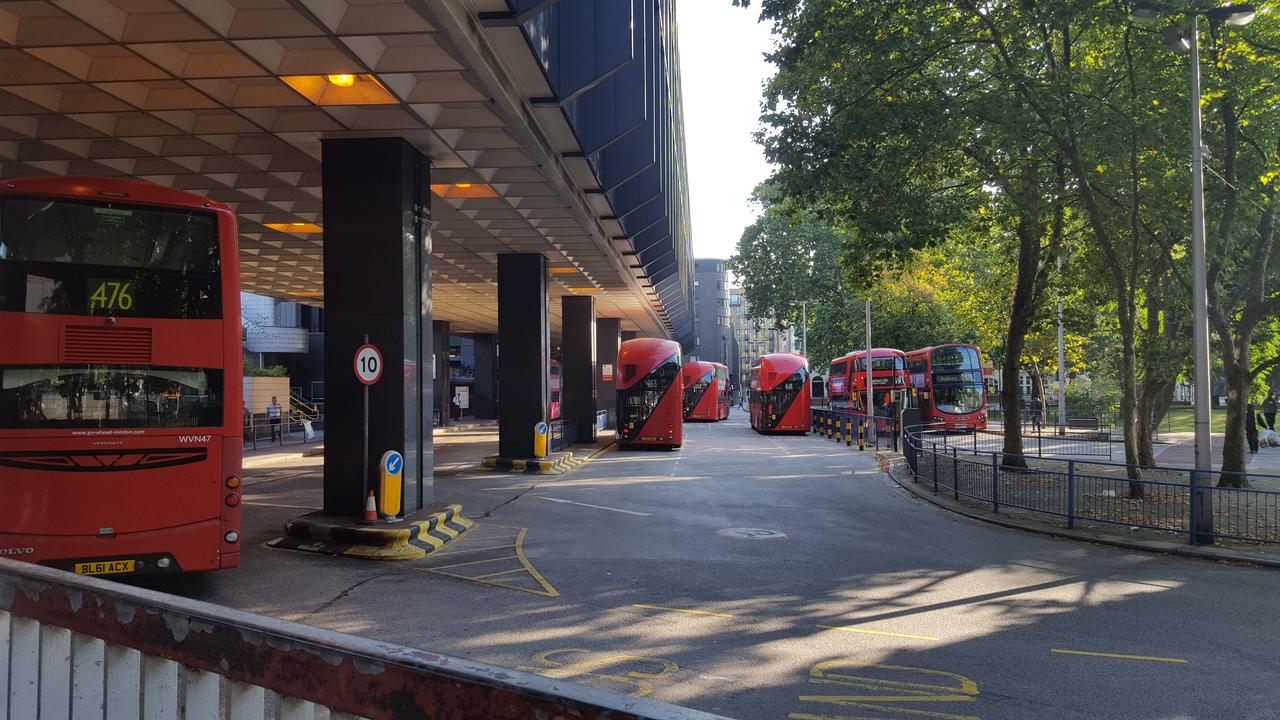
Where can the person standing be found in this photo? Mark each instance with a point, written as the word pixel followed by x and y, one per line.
pixel 1251 429
pixel 273 419
pixel 1269 410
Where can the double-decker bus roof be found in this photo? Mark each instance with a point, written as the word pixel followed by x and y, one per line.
pixel 137 192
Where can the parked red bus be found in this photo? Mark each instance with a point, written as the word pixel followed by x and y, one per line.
pixel 706 391
pixel 949 385
pixel 553 388
pixel 650 393
pixel 780 393
pixel 120 396
pixel 848 378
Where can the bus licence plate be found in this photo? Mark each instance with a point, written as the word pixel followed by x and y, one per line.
pixel 105 568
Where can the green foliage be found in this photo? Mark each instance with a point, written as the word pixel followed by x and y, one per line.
pixel 250 370
pixel 1092 399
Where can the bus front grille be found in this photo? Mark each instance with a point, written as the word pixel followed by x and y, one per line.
pixel 106 345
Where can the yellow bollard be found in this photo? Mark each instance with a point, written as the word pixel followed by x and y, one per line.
pixel 848 433
pixel 862 437
pixel 390 485
pixel 540 439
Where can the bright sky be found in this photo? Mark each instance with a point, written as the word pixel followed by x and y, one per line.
pixel 722 70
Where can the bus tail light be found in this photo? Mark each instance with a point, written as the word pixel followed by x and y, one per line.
pixel 232 500
pixel 231 536
pixel 233 482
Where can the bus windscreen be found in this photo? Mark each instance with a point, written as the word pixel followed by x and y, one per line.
pixel 77 258
pixel 637 403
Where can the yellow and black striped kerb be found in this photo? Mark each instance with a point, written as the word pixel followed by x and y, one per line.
pixel 407 540
pixel 557 464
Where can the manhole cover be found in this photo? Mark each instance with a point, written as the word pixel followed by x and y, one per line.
pixel 751 533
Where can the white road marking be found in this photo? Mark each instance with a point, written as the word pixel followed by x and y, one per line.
pixel 597 507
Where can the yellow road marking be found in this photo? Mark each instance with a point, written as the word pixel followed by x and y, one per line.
pixel 864 631
pixel 681 610
pixel 548 590
pixel 504 572
pixel 471 550
pixel 1118 656
pixel 473 562
pixel 545 588
pixel 641 681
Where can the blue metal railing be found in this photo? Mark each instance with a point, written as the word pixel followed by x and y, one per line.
pixel 1072 490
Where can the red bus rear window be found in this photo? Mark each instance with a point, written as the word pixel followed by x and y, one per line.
pixel 79 258
pixel 99 396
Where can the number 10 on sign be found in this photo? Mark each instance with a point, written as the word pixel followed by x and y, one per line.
pixel 368 364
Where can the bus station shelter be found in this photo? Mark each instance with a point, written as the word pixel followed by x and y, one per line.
pixel 509 169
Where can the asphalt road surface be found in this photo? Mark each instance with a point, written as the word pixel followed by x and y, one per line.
pixel 783 577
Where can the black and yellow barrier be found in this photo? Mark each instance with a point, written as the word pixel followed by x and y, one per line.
pixel 410 539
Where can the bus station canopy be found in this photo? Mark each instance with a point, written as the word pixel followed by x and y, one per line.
pixel 231 99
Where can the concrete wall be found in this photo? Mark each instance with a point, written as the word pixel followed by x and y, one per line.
pixel 258 392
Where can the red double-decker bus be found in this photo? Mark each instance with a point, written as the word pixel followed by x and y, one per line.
pixel 780 394
pixel 949 385
pixel 706 391
pixel 120 397
pixel 848 379
pixel 650 393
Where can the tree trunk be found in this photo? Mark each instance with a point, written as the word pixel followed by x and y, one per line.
pixel 1129 389
pixel 1037 387
pixel 1020 314
pixel 1235 365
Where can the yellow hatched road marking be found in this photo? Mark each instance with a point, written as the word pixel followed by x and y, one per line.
pixel 681 610
pixel 864 631
pixel 1118 656
pixel 471 550
pixel 473 562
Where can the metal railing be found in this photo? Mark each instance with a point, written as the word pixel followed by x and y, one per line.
pixel 78 647
pixel 1072 491
pixel 854 428
pixel 295 428
pixel 1044 441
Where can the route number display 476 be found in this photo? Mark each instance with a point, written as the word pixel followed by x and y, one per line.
pixel 110 295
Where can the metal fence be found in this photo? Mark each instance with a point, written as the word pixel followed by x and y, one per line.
pixel 1044 441
pixel 297 428
pixel 854 428
pixel 76 647
pixel 1072 491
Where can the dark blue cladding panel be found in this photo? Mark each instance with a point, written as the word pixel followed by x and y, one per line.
pixel 613 67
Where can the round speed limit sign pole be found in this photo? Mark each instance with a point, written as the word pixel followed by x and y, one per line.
pixel 368 367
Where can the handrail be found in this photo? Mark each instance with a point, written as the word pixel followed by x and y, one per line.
pixel 179 648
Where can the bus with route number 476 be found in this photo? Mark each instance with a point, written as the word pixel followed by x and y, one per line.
pixel 120 389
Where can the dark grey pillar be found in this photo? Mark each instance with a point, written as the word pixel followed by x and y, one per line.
pixel 578 364
pixel 525 345
pixel 377 282
pixel 608 337
pixel 440 351
pixel 630 334
pixel 484 399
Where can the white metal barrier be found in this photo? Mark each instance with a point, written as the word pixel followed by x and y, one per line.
pixel 78 648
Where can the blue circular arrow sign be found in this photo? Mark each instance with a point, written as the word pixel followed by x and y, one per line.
pixel 394 463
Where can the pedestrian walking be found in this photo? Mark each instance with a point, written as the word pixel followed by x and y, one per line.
pixel 273 419
pixel 455 406
pixel 1251 429
pixel 1269 410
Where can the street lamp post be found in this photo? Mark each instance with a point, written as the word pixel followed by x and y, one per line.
pixel 1185 41
pixel 804 324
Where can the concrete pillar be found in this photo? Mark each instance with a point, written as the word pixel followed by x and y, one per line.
pixel 484 399
pixel 578 364
pixel 525 345
pixel 608 337
pixel 377 283
pixel 441 387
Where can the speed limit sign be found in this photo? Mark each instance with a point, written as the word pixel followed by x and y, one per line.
pixel 368 364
